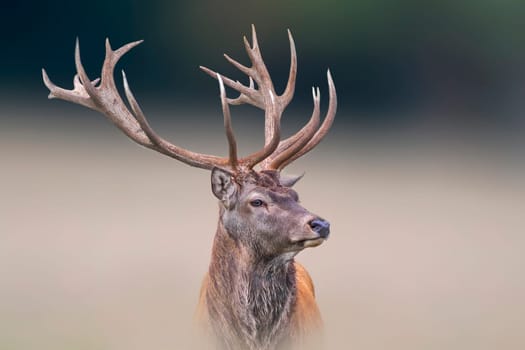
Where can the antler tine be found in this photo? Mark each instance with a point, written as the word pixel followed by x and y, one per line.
pixel 228 125
pixel 273 128
pixel 264 96
pixel 290 86
pixel 251 97
pixel 238 65
pixel 102 95
pixel 78 95
pixel 242 99
pixel 323 129
pixel 105 99
pixel 252 49
pixel 163 146
pixel 294 143
pixel 111 59
pixel 259 73
pixel 81 72
pixel 255 43
pixel 249 94
pixel 106 96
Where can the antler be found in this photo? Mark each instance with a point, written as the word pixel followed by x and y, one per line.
pixel 264 96
pixel 308 137
pixel 277 154
pixel 102 95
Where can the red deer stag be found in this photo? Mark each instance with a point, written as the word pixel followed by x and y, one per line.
pixel 255 296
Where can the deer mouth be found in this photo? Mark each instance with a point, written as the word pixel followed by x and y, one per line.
pixel 315 237
pixel 313 242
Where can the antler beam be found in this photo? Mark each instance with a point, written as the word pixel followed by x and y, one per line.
pixel 306 138
pixel 263 97
pixel 102 95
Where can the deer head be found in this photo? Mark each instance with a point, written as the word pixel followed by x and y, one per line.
pixel 262 212
pixel 259 210
pixel 235 181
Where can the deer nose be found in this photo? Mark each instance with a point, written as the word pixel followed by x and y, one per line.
pixel 320 226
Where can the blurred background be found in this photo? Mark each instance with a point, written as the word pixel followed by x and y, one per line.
pixel 103 244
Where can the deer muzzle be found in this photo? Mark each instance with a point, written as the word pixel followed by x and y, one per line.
pixel 321 227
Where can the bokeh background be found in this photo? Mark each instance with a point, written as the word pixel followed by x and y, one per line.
pixel 103 244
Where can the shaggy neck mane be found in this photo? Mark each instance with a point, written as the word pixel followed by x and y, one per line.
pixel 250 298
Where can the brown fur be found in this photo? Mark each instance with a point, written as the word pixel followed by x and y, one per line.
pixel 255 295
pixel 305 320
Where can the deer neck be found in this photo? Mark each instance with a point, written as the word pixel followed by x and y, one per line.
pixel 250 298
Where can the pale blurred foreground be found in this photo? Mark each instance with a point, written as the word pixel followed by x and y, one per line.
pixel 103 244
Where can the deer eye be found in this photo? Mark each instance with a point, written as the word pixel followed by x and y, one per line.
pixel 257 203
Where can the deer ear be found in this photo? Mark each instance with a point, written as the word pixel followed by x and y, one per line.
pixel 289 180
pixel 223 186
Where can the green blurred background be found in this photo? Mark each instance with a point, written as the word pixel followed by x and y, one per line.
pixel 103 244
pixel 396 63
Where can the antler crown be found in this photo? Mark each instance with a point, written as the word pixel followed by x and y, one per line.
pixel 102 95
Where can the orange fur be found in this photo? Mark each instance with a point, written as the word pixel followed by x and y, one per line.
pixel 305 321
pixel 306 316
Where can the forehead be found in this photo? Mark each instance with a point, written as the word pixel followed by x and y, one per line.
pixel 266 183
pixel 283 195
pixel 276 194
